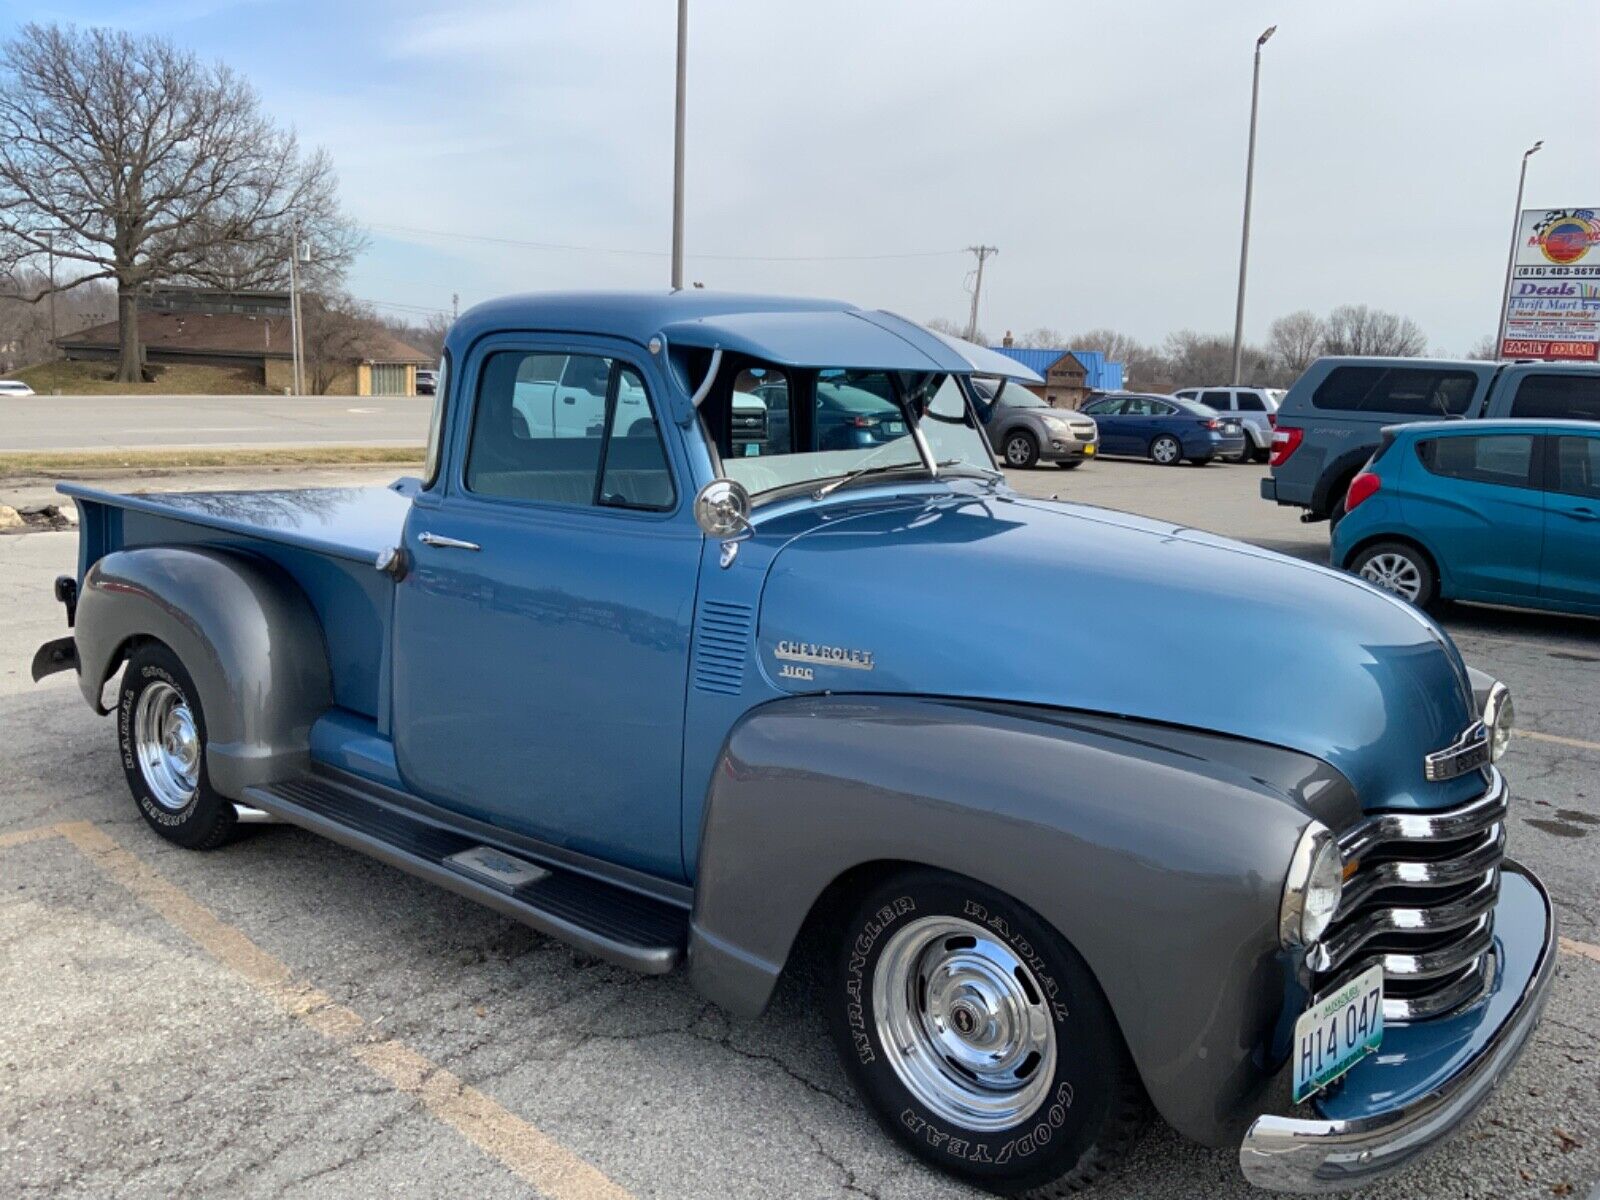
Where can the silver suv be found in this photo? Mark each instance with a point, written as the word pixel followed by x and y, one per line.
pixel 1025 431
pixel 1254 406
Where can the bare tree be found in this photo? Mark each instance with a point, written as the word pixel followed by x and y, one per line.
pixel 1042 338
pixel 1486 348
pixel 25 325
pixel 1295 341
pixel 134 162
pixel 1116 346
pixel 956 329
pixel 1357 329
pixel 335 329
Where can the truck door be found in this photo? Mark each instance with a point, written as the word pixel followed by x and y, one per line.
pixel 542 637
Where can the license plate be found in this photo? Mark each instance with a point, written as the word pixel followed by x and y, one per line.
pixel 1337 1032
pixel 1230 429
pixel 1087 450
pixel 894 427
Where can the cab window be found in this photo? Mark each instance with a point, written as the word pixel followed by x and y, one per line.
pixel 1558 397
pixel 574 429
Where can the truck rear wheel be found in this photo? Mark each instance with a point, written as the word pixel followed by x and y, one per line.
pixel 979 1039
pixel 162 734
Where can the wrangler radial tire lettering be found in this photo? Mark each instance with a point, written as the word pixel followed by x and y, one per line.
pixel 978 1037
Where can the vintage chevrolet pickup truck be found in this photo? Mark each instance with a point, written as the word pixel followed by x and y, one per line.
pixel 673 692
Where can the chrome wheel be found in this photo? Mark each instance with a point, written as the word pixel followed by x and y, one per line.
pixel 964 1023
pixel 167 744
pixel 1165 451
pixel 1394 573
pixel 1018 452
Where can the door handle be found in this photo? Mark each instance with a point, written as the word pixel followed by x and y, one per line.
pixel 1583 514
pixel 445 543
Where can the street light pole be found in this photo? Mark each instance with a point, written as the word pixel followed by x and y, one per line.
pixel 294 306
pixel 1511 258
pixel 677 149
pixel 50 243
pixel 1249 185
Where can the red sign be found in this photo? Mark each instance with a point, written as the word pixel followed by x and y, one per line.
pixel 1522 348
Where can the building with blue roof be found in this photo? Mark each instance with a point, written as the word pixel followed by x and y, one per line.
pixel 1069 375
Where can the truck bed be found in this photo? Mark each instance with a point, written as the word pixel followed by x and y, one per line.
pixel 325 539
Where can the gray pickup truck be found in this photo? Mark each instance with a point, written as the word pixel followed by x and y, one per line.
pixel 1334 416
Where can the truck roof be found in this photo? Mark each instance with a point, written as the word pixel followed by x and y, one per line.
pixel 788 330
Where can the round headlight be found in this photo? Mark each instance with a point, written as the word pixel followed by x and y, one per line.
pixel 1312 892
pixel 1499 715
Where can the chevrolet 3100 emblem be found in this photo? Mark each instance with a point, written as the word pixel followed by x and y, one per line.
pixel 822 656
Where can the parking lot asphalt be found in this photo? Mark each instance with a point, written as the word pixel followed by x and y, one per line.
pixel 285 1017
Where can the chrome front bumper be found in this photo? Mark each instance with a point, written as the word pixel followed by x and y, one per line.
pixel 1289 1154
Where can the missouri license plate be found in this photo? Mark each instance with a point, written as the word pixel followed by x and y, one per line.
pixel 1337 1032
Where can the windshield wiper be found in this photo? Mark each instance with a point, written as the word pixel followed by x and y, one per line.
pixel 880 469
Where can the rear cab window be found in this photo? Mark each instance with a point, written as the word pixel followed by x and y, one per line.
pixel 1407 391
pixel 1558 397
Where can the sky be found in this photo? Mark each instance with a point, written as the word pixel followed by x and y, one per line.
pixel 853 148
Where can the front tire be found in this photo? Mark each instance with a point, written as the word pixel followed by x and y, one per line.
pixel 979 1039
pixel 1166 451
pixel 161 731
pixel 1022 449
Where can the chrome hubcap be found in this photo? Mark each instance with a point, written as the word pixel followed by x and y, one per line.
pixel 964 1023
pixel 167 745
pixel 1165 451
pixel 1395 573
pixel 1017 452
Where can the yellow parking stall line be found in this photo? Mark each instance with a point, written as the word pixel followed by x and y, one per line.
pixel 1581 949
pixel 522 1148
pixel 1557 739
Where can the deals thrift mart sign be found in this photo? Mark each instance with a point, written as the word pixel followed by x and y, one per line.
pixel 1553 311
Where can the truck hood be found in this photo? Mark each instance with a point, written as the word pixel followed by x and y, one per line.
pixel 1004 598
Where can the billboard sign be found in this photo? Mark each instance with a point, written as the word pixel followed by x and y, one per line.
pixel 1553 310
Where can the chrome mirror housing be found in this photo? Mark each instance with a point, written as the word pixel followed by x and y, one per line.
pixel 722 509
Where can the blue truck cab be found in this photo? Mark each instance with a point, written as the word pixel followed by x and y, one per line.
pixel 682 695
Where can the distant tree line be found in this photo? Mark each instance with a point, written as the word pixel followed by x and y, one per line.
pixel 1187 358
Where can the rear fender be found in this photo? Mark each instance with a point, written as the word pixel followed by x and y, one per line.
pixel 1159 853
pixel 242 629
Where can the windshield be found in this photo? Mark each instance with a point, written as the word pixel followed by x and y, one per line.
pixel 821 425
pixel 1018 396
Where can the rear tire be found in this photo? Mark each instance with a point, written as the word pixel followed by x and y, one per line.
pixel 161 731
pixel 1021 449
pixel 1400 568
pixel 1166 451
pixel 1017 1078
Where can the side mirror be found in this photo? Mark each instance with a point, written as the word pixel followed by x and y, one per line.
pixel 722 509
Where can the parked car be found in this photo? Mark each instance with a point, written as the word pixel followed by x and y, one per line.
pixel 14 387
pixel 674 704
pixel 1025 430
pixel 853 415
pixel 1163 428
pixel 1506 512
pixel 1331 419
pixel 1255 407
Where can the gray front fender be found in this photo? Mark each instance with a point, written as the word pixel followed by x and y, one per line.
pixel 242 629
pixel 1159 853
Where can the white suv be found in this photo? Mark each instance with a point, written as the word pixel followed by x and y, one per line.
pixel 1256 408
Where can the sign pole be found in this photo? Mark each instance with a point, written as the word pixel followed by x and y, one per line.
pixel 1511 258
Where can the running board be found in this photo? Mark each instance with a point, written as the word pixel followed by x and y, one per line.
pixel 610 922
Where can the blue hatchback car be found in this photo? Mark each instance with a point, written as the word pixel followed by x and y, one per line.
pixel 1164 428
pixel 1506 512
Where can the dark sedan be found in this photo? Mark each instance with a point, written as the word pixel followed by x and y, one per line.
pixel 1164 429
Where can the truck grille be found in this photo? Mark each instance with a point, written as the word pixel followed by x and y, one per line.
pixel 1421 902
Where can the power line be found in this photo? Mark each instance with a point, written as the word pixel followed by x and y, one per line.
pixel 563 246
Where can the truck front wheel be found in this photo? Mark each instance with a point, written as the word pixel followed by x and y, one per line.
pixel 979 1039
pixel 162 734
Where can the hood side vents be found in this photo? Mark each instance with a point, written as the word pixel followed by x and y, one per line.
pixel 721 646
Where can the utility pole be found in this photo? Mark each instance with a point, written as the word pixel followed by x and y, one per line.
pixel 294 305
pixel 677 148
pixel 982 252
pixel 455 306
pixel 1249 185
pixel 1511 259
